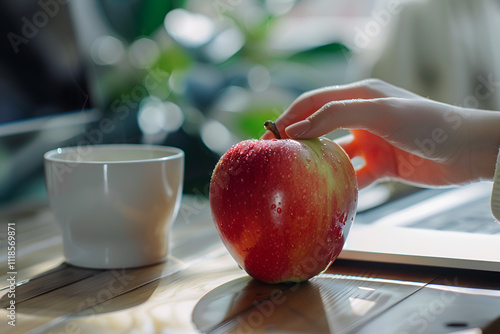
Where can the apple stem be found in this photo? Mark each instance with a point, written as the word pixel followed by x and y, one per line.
pixel 271 126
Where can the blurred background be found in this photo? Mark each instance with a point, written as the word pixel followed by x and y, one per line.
pixel 204 74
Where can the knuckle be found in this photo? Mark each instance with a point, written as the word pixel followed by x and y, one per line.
pixel 374 86
pixel 307 96
pixel 388 103
pixel 329 110
pixel 374 81
pixel 330 107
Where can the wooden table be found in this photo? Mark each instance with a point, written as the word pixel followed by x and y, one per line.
pixel 200 288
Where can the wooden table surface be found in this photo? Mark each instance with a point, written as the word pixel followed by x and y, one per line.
pixel 201 289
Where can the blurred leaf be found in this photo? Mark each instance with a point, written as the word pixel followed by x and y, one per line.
pixel 328 50
pixel 153 12
pixel 173 58
pixel 135 18
pixel 255 36
pixel 250 123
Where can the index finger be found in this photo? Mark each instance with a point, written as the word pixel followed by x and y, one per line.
pixel 308 103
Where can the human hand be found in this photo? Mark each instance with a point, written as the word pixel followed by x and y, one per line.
pixel 399 135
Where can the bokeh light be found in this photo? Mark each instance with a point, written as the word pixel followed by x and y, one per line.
pixel 279 7
pixel 225 45
pixel 151 116
pixel 259 78
pixel 107 50
pixel 174 117
pixel 216 136
pixel 156 117
pixel 189 29
pixel 143 52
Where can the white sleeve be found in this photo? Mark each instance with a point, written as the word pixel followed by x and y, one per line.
pixel 495 194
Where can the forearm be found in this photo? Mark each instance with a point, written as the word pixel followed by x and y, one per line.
pixel 484 143
pixel 485 156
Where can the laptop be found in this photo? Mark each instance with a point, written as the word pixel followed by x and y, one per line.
pixel 22 145
pixel 450 227
pixel 44 99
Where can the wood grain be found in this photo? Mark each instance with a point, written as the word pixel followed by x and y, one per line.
pixel 201 289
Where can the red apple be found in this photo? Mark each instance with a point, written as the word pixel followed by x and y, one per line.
pixel 284 207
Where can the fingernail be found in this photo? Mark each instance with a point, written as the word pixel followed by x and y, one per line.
pixel 298 129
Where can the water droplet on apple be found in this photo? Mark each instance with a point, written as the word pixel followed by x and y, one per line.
pixel 273 206
pixel 278 210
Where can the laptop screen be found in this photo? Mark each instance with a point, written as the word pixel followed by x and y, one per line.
pixel 44 99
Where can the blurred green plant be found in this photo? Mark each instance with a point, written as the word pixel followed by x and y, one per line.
pixel 197 82
pixel 134 18
pixel 250 122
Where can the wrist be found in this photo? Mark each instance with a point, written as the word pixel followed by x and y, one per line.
pixel 484 143
pixel 495 193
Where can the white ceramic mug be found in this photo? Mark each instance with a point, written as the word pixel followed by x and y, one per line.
pixel 115 203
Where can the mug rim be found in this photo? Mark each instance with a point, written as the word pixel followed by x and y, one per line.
pixel 54 155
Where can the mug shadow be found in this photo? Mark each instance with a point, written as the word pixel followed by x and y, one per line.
pixel 69 290
pixel 246 305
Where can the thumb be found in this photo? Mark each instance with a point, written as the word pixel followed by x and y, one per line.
pixel 376 153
